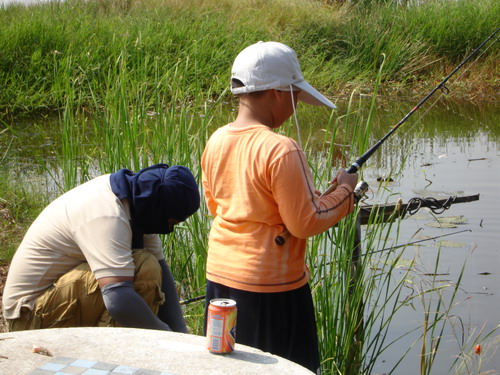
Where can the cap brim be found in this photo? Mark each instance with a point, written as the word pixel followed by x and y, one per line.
pixel 310 95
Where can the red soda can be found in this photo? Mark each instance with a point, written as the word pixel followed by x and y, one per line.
pixel 221 325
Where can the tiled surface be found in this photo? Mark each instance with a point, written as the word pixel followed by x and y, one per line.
pixel 73 366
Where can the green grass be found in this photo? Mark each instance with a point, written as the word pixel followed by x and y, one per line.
pixel 189 46
pixel 19 206
pixel 135 83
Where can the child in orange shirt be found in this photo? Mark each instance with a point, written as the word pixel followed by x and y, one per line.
pixel 257 183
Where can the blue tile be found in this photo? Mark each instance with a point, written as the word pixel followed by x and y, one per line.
pixel 105 366
pixel 125 370
pixel 143 371
pixel 92 371
pixel 62 360
pixel 52 366
pixel 83 363
pixel 41 372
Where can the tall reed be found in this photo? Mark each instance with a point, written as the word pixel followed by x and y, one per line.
pixel 352 299
pixel 139 83
pixel 339 45
pixel 357 289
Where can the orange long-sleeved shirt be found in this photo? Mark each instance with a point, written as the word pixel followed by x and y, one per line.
pixel 257 182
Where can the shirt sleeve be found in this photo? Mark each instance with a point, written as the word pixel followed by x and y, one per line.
pixel 303 212
pixel 211 204
pixel 152 243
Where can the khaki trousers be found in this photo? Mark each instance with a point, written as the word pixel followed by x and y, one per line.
pixel 75 299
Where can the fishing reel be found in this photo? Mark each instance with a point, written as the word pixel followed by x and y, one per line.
pixel 360 190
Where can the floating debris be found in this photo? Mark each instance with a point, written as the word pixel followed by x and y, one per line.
pixel 384 179
pixel 450 244
pixel 476 159
pixel 422 215
pixel 448 222
pixel 405 263
pixel 437 224
pixel 453 219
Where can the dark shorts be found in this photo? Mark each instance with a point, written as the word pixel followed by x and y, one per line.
pixel 279 323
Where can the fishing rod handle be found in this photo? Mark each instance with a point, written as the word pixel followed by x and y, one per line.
pixel 331 188
pixel 359 192
pixel 352 169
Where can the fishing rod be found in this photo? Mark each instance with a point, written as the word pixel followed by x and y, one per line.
pixel 200 298
pixel 419 241
pixel 363 158
pixel 191 300
pixel 281 238
pixel 411 243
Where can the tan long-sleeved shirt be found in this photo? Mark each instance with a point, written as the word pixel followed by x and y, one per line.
pixel 257 183
pixel 86 224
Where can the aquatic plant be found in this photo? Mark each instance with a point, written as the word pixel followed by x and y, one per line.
pixel 134 84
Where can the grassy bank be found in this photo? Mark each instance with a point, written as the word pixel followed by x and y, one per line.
pixel 18 208
pixel 133 83
pixel 84 44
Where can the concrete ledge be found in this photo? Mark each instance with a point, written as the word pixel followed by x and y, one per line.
pixel 167 352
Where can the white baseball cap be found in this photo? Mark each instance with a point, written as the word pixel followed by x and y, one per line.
pixel 272 65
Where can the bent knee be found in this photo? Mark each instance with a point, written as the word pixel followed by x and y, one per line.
pixel 147 267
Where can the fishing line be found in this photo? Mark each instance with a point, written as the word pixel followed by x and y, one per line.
pixel 410 243
pixel 431 203
pixel 445 90
pixel 363 158
pixel 280 239
pixel 418 241
pixel 199 298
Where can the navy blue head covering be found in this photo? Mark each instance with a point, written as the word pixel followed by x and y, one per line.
pixel 156 194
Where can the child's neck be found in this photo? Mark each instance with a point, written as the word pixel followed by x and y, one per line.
pixel 254 112
pixel 240 122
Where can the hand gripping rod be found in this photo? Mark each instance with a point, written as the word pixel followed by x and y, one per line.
pixel 363 158
pixel 281 238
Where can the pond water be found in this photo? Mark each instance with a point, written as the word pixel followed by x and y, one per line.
pixel 450 149
pixel 455 151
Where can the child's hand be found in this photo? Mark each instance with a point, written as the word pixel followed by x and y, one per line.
pixel 342 177
pixel 346 178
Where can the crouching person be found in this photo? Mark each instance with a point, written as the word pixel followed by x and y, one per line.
pixel 93 257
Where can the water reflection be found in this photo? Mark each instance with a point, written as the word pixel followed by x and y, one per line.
pixel 451 149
